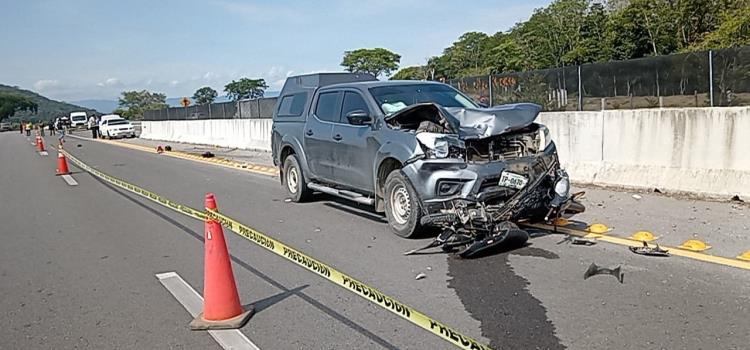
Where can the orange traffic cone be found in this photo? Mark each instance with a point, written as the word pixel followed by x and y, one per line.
pixel 62 164
pixel 221 305
pixel 40 144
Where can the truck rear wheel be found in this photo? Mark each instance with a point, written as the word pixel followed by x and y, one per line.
pixel 294 182
pixel 401 205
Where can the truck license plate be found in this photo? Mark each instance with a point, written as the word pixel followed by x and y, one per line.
pixel 512 180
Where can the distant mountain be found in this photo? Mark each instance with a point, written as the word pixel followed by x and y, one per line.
pixel 48 109
pixel 104 106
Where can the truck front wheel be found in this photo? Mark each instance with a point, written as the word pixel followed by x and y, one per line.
pixel 294 182
pixel 401 205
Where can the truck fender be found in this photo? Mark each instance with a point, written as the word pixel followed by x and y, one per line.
pixel 293 142
pixel 391 150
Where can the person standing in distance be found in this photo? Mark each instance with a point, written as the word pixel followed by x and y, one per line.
pixel 94 127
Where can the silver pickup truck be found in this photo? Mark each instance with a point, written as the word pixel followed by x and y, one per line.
pixel 423 153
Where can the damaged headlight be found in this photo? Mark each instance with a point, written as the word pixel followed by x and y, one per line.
pixel 542 137
pixel 441 145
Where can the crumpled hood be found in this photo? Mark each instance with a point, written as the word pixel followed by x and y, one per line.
pixel 485 122
pixel 471 123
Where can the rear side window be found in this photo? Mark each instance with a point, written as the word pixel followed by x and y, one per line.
pixel 292 105
pixel 326 107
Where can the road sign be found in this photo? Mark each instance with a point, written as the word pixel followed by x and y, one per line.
pixel 185 102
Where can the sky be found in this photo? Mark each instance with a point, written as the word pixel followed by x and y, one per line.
pixel 94 49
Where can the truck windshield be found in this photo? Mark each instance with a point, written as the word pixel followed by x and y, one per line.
pixel 392 99
pixel 79 117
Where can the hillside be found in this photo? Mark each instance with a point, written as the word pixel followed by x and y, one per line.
pixel 48 109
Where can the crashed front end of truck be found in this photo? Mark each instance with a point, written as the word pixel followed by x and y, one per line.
pixel 479 172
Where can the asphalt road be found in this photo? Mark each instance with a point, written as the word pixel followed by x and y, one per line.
pixel 77 268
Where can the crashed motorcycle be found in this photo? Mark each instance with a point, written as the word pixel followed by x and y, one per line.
pixel 498 169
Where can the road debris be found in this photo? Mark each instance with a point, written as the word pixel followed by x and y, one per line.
pixel 650 251
pixel 420 276
pixel 597 270
pixel 637 196
pixel 288 200
pixel 577 240
pixel 736 198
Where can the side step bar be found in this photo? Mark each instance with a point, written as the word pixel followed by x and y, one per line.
pixel 353 196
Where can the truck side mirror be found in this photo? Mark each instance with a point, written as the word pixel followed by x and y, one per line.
pixel 358 117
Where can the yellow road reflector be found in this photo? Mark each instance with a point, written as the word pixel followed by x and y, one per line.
pixel 694 245
pixel 744 256
pixel 643 236
pixel 561 222
pixel 598 228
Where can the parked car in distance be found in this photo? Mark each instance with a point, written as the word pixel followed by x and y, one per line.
pixel 116 128
pixel 78 119
pixel 5 126
pixel 108 117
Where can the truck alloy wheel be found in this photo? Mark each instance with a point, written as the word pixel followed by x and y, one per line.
pixel 401 205
pixel 294 181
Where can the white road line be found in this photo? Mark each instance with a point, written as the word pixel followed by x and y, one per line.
pixel 43 153
pixel 193 303
pixel 70 180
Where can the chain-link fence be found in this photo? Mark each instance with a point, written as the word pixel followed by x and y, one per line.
pixel 247 109
pixel 698 79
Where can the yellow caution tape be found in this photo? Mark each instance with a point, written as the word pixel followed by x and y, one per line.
pixel 321 269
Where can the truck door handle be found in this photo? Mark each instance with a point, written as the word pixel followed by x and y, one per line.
pixel 309 132
pixel 337 137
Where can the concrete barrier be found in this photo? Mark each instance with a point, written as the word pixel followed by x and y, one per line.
pixel 233 133
pixel 685 150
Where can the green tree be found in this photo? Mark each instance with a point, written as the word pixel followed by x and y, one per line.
pixel 245 88
pixel 134 103
pixel 733 31
pixel 205 95
pixel 375 61
pixel 11 103
pixel 411 73
pixel 467 55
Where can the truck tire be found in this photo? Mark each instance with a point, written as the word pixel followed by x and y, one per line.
pixel 401 205
pixel 293 180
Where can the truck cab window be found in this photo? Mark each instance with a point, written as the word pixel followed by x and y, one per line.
pixel 352 102
pixel 326 107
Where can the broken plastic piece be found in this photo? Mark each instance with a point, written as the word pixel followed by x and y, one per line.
pixel 596 270
pixel 650 251
pixel 577 240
